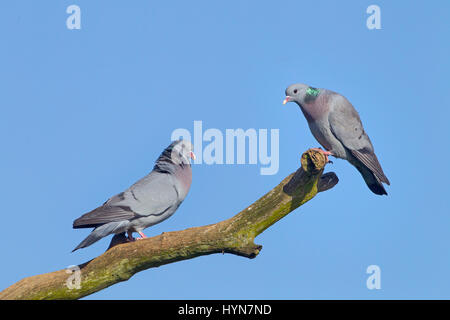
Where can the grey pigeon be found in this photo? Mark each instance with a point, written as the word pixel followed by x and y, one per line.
pixel 336 125
pixel 149 201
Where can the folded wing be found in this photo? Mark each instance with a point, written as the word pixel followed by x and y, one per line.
pixel 347 127
pixel 152 195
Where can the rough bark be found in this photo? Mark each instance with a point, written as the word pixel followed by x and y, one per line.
pixel 235 235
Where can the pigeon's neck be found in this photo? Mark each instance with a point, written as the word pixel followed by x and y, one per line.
pixel 168 162
pixel 316 109
pixel 184 177
pixel 166 165
pixel 180 169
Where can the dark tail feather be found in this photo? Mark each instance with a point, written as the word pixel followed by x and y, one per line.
pixel 369 160
pixel 377 188
pixel 371 180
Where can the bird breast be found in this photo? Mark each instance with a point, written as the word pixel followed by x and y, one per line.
pixel 321 131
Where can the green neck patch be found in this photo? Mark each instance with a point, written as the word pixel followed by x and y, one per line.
pixel 313 92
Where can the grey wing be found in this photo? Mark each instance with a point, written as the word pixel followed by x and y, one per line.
pixel 152 195
pixel 104 214
pixel 347 127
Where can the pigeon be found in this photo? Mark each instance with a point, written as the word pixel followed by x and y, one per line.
pixel 336 125
pixel 149 201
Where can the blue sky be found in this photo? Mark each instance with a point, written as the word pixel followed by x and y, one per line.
pixel 84 114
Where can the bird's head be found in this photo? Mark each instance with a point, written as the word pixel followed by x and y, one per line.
pixel 301 94
pixel 174 156
pixel 182 151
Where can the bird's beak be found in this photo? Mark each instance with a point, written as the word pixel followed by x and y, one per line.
pixel 287 99
pixel 192 155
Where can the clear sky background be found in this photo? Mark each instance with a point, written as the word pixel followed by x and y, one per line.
pixel 85 113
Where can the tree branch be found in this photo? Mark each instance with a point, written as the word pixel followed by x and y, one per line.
pixel 235 235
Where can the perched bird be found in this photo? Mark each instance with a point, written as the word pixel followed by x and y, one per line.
pixel 336 125
pixel 149 201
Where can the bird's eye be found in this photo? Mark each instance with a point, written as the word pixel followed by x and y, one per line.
pixel 295 91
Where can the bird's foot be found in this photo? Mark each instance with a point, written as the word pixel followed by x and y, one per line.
pixel 130 236
pixel 143 236
pixel 325 153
